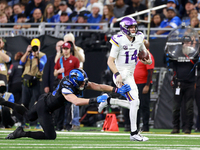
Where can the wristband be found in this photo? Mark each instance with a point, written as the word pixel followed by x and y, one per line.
pixel 114 90
pixel 92 101
pixel 116 74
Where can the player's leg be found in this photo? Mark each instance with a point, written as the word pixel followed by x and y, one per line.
pixel 114 101
pixel 39 110
pixel 132 96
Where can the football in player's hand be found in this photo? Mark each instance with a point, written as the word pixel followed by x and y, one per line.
pixel 143 55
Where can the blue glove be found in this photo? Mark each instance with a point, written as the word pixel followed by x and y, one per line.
pixel 124 89
pixel 102 98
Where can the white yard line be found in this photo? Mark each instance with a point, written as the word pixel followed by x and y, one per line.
pixel 118 134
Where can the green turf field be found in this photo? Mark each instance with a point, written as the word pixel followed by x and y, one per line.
pixel 93 138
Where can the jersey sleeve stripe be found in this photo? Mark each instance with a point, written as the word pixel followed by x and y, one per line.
pixel 66 91
pixel 113 41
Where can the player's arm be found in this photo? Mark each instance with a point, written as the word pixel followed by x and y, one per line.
pixel 83 101
pixel 99 87
pixel 111 63
pixel 163 31
pixel 107 88
pixel 146 61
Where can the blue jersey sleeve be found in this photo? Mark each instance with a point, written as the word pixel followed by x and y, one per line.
pixel 11 98
pixel 175 22
pixel 43 61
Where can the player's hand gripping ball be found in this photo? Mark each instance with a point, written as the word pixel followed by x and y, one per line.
pixel 143 55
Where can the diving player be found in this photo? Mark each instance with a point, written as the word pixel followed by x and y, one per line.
pixel 66 91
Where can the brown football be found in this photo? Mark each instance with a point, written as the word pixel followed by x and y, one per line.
pixel 143 55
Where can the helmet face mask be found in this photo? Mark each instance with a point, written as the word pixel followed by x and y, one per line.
pixel 79 78
pixel 125 23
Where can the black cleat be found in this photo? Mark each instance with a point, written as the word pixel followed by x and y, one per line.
pixel 18 133
pixel 175 131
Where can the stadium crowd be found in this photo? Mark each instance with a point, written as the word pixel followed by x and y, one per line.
pixel 97 11
pixel 77 11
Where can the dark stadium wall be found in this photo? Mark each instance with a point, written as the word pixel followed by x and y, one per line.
pixel 95 53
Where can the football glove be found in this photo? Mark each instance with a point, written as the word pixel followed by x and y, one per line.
pixel 102 98
pixel 123 90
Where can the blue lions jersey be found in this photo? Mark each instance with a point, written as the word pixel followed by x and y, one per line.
pixel 56 99
pixel 174 23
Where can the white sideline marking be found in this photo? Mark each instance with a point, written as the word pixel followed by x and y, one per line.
pixel 105 145
pixel 118 134
pixel 132 147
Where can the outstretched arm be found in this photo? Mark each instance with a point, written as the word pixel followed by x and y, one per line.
pixel 107 88
pixel 99 87
pixel 83 101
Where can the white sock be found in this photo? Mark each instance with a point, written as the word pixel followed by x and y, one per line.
pixel 119 102
pixel 134 105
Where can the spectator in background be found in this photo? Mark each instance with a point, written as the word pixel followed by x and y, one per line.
pixel 5 113
pixel 3 4
pixel 15 78
pixel 48 76
pixel 143 79
pixel 184 91
pixel 63 66
pixel 64 18
pixel 136 7
pixel 197 99
pixel 119 10
pixel 198 6
pixel 49 13
pixel 94 17
pixel 192 14
pixel 9 13
pixel 79 7
pixel 82 18
pixel 56 4
pixel 33 61
pixel 89 7
pixel 23 6
pixel 21 19
pixel 78 52
pixel 5 58
pixel 172 21
pixel 15 81
pixel 189 5
pixel 71 3
pixel 108 15
pixel 34 4
pixel 155 22
pixel 194 22
pixel 13 2
pixel 17 10
pixel 4 19
pixel 37 17
pixel 174 4
pixel 64 8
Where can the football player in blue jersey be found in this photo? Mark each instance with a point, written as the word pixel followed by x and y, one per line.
pixel 67 91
